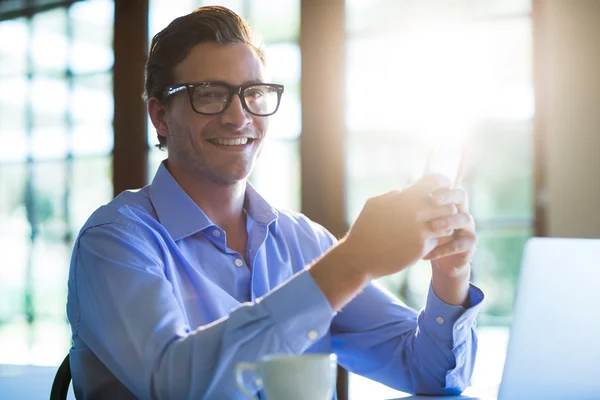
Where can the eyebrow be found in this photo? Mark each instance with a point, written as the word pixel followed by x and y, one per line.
pixel 254 81
pixel 248 82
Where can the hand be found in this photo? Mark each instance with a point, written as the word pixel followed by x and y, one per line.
pixel 454 252
pixel 395 230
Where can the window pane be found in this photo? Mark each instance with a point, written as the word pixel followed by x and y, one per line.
pixel 162 12
pixel 92 114
pixel 93 139
pixel 50 262
pixel 238 6
pixel 368 15
pixel 155 157
pixel 503 70
pixel 92 99
pixel 277 174
pixel 378 162
pixel 48 199
pixel 12 103
pixel 50 340
pixel 502 185
pixel 397 16
pixel 498 8
pixel 43 342
pixel 283 64
pixel 152 135
pixel 403 94
pixel 49 41
pixel 13 52
pixel 92 23
pixel 91 187
pixel 287 122
pixel 49 99
pixel 14 240
pixel 13 125
pixel 49 143
pixel 14 341
pixel 446 79
pixel 275 24
pixel 496 268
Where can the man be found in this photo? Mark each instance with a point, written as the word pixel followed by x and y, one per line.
pixel 173 285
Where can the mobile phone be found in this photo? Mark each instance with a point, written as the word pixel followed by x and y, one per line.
pixel 448 159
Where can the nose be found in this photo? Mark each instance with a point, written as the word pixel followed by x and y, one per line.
pixel 235 115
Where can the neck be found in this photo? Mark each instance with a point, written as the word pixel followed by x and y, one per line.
pixel 222 203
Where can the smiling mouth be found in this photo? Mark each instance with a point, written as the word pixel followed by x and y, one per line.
pixel 231 142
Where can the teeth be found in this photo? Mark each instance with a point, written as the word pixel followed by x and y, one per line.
pixel 230 142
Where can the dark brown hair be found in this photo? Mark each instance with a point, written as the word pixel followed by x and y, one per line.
pixel 172 45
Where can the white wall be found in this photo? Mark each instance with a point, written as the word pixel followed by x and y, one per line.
pixel 571 109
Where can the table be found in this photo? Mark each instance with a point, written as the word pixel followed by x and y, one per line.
pixel 34 382
pixel 493 341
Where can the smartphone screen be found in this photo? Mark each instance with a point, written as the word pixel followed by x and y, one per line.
pixel 448 159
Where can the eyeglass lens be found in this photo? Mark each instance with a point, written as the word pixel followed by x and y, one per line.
pixel 212 98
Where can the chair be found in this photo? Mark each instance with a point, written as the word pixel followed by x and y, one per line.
pixel 62 380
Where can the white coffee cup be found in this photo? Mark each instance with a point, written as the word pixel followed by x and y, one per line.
pixel 291 377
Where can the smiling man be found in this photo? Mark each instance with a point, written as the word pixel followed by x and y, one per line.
pixel 172 285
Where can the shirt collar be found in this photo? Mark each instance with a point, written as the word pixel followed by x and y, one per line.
pixel 258 208
pixel 182 217
pixel 176 211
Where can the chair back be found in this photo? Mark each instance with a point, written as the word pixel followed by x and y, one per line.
pixel 62 380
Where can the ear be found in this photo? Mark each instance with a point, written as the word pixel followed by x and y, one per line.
pixel 157 114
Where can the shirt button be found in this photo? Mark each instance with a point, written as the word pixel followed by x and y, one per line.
pixel 312 334
pixel 239 262
pixel 440 320
pixel 459 326
pixel 216 233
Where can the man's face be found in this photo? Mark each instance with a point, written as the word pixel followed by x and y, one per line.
pixel 206 144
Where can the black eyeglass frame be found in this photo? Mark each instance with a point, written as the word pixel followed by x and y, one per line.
pixel 239 90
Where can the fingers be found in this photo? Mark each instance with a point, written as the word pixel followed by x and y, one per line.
pixel 463 244
pixel 431 182
pixel 431 213
pixel 450 196
pixel 451 223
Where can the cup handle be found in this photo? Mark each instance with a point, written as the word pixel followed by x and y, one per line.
pixel 240 368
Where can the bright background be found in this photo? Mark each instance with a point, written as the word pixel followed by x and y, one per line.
pixel 418 72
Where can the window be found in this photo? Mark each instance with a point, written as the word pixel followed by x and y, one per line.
pixel 446 71
pixel 56 112
pixel 429 71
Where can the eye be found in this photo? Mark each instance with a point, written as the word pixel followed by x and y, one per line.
pixel 209 94
pixel 254 92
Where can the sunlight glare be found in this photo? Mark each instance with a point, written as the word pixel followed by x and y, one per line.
pixel 438 83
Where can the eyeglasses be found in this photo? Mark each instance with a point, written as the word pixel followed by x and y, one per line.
pixel 211 98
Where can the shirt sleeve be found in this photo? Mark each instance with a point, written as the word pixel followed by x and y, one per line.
pixel 431 352
pixel 125 311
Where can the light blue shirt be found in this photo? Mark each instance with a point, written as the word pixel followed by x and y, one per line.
pixel 161 308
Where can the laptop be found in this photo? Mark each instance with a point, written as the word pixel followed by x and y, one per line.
pixel 554 346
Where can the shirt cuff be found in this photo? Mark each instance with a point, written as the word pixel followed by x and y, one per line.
pixel 448 323
pixel 300 310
